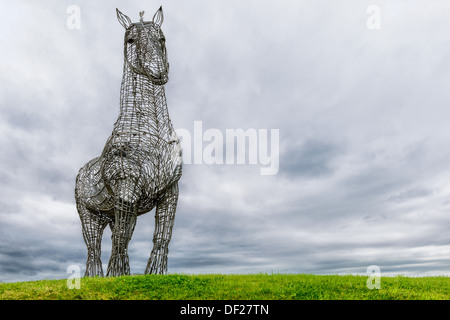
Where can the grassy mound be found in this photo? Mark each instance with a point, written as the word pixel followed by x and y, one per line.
pixel 231 287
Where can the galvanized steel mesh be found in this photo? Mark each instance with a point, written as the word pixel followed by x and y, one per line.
pixel 141 162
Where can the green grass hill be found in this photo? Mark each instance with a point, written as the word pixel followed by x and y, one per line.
pixel 231 287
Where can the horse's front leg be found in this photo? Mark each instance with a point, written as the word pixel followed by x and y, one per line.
pixel 125 221
pixel 164 219
pixel 93 224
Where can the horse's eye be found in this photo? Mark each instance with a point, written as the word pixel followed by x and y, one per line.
pixel 131 40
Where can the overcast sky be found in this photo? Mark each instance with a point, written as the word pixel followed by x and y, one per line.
pixel 362 114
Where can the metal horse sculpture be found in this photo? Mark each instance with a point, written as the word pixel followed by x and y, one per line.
pixel 141 162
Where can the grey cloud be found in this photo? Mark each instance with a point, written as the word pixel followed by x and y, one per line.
pixel 410 194
pixel 310 159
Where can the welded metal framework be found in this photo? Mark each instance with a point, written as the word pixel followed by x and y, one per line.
pixel 141 162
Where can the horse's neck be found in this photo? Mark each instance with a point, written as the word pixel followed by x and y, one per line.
pixel 143 107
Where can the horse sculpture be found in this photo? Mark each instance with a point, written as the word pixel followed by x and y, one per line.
pixel 141 162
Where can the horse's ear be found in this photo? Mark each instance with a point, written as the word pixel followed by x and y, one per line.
pixel 123 19
pixel 158 18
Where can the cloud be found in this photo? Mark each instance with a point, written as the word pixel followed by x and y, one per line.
pixel 310 159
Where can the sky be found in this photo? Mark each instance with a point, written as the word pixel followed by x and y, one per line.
pixel 356 90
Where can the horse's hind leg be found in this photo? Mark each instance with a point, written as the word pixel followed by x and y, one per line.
pixel 164 219
pixel 93 224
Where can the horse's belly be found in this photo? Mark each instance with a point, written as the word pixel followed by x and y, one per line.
pixel 140 180
pixel 146 204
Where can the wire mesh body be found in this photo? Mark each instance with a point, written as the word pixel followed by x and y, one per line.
pixel 141 162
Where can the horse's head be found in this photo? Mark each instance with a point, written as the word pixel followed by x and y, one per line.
pixel 145 48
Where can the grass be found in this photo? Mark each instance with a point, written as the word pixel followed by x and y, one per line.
pixel 231 287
